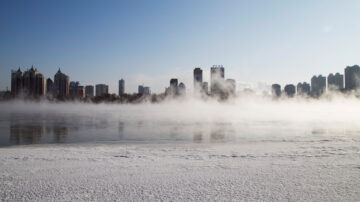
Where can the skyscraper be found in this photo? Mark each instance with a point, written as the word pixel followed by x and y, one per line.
pixel 181 89
pixel 76 91
pixel 352 76
pixel 198 78
pixel 290 90
pixel 217 74
pixel 318 85
pixel 205 87
pixel 303 89
pixel 335 82
pixel 101 89
pixel 276 90
pixel 147 90
pixel 140 89
pixel 17 82
pixel 89 91
pixel 61 84
pixel 230 86
pixel 49 86
pixel 121 87
pixel 173 86
pixel 34 83
pixel 31 82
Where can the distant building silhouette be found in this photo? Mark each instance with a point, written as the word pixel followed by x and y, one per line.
pixel 303 89
pixel 121 86
pixel 318 85
pixel 198 79
pixel 89 91
pixel 75 90
pixel 205 87
pixel 17 82
pixel 335 82
pixel 31 82
pixel 101 90
pixel 173 86
pixel 49 86
pixel 61 84
pixel 147 90
pixel 352 76
pixel 140 89
pixel 289 90
pixel 181 89
pixel 276 90
pixel 230 86
pixel 217 75
pixel 144 90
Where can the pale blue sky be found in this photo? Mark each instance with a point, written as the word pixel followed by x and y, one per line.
pixel 148 42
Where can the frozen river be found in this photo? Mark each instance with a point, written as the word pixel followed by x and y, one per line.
pixel 187 151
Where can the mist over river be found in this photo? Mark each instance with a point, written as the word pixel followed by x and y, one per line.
pixel 252 149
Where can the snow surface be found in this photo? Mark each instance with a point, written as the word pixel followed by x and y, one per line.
pixel 289 170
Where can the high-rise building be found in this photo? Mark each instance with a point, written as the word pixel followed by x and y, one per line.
pixel 147 90
pixel 198 78
pixel 17 82
pixel 352 77
pixel 31 82
pixel 318 85
pixel 173 86
pixel 140 89
pixel 101 90
pixel 205 87
pixel 34 83
pixel 76 91
pixel 61 84
pixel 276 90
pixel 303 89
pixel 181 89
pixel 217 74
pixel 335 82
pixel 289 90
pixel 89 91
pixel 121 87
pixel 230 86
pixel 49 86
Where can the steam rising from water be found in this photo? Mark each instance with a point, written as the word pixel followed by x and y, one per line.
pixel 188 119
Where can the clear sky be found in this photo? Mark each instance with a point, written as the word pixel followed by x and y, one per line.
pixel 148 42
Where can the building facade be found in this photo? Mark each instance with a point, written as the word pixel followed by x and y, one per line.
pixel 290 90
pixel 276 90
pixel 121 87
pixel 17 82
pixel 76 90
pixel 181 89
pixel 198 79
pixel 173 86
pixel 352 77
pixel 230 86
pixel 318 85
pixel 101 90
pixel 89 91
pixel 217 75
pixel 30 83
pixel 205 87
pixel 303 89
pixel 335 82
pixel 61 84
pixel 49 87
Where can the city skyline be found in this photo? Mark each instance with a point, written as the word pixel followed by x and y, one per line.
pixel 32 83
pixel 257 42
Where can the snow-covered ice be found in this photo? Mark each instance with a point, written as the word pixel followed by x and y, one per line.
pixel 248 149
pixel 321 170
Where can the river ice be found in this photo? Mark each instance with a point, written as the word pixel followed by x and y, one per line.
pixel 311 170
